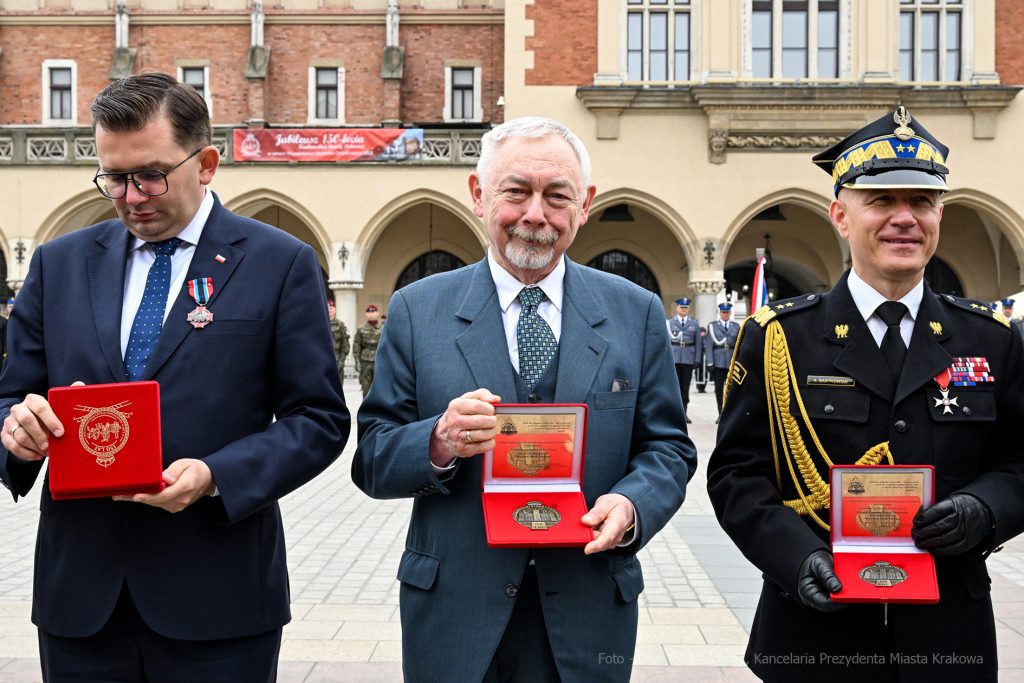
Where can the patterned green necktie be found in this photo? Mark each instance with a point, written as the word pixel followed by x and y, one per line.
pixel 537 343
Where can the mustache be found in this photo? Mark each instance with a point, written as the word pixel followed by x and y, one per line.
pixel 537 236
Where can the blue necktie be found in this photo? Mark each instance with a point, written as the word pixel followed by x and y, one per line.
pixel 537 343
pixel 150 316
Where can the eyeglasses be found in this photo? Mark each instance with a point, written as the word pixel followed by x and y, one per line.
pixel 151 182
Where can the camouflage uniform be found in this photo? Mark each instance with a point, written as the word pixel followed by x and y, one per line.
pixel 341 345
pixel 364 350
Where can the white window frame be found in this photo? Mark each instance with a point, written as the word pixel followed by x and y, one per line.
pixel 478 110
pixel 205 65
pixel 646 8
pixel 843 58
pixel 60 64
pixel 965 8
pixel 311 113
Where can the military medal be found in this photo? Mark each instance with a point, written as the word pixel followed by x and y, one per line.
pixel 881 574
pixel 534 515
pixel 201 289
pixel 943 379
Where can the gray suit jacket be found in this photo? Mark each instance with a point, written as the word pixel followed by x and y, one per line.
pixel 444 338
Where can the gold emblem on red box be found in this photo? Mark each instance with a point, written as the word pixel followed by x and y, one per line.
pixel 537 516
pixel 103 431
pixel 883 575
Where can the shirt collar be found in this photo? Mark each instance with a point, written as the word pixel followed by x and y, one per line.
pixel 867 298
pixel 190 235
pixel 509 287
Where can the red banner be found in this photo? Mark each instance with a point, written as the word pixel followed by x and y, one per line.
pixel 328 144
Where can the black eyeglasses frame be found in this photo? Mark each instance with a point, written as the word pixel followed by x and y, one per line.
pixel 125 177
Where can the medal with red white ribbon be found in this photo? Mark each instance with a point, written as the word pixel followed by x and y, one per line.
pixel 201 289
pixel 943 379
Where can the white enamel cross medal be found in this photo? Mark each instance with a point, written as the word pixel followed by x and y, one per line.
pixel 942 379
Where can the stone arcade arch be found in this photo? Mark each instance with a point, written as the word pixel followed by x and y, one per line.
pixel 274 208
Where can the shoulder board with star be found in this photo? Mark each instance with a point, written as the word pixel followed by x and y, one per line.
pixel 975 307
pixel 769 312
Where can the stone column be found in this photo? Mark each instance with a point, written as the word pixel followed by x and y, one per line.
pixel 345 294
pixel 705 305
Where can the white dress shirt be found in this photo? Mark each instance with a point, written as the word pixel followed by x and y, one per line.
pixel 508 299
pixel 141 256
pixel 868 299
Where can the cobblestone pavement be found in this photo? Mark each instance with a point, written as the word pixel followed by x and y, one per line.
pixel 343 554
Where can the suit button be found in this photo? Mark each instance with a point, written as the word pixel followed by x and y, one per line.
pixel 533 398
pixel 901 426
pixel 511 590
pixel 967 411
pixel 829 409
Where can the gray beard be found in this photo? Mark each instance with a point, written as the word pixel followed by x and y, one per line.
pixel 527 257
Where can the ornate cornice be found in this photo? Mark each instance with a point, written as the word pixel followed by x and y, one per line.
pixel 753 117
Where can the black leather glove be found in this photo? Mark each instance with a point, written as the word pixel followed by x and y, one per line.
pixel 952 526
pixel 816 580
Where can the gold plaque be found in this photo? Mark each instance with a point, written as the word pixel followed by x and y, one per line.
pixel 878 519
pixel 883 575
pixel 537 516
pixel 528 458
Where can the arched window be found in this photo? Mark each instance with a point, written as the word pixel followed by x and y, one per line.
pixel 628 266
pixel 432 262
pixel 941 278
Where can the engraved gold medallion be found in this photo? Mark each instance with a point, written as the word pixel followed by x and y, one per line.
pixel 528 458
pixel 878 520
pixel 103 431
pixel 883 575
pixel 537 516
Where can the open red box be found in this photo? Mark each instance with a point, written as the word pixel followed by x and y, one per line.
pixel 873 508
pixel 531 480
pixel 111 444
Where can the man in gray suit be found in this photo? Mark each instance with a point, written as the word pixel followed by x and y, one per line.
pixel 718 347
pixel 684 332
pixel 524 325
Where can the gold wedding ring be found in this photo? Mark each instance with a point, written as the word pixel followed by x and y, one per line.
pixel 14 429
pixel 469 436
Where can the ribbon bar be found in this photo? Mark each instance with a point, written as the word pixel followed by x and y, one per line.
pixel 201 289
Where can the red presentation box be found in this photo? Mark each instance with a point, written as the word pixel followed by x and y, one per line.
pixel 531 480
pixel 111 443
pixel 873 508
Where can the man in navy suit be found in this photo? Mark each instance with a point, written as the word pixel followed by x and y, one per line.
pixel 251 409
pixel 524 325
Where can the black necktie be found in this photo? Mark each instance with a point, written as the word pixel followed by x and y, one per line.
pixel 894 350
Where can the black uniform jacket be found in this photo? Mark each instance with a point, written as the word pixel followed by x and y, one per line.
pixel 973 450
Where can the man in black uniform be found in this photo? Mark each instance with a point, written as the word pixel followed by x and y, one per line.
pixel 849 376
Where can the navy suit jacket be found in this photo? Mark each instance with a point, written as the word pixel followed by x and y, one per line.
pixel 216 569
pixel 444 338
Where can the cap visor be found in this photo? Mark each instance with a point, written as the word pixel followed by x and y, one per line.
pixel 899 178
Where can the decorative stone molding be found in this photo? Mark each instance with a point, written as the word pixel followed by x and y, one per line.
pixel 706 286
pixel 793 116
pixel 717 142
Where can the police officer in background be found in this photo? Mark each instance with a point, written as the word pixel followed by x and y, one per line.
pixel 880 370
pixel 684 333
pixel 341 338
pixel 1007 305
pixel 364 347
pixel 718 347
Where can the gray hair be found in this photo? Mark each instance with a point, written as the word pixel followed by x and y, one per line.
pixel 534 127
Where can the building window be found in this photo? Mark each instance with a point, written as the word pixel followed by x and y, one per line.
pixel 626 265
pixel 658 40
pixel 783 45
pixel 427 264
pixel 196 77
pixel 930 34
pixel 326 94
pixel 60 94
pixel 60 101
pixel 462 96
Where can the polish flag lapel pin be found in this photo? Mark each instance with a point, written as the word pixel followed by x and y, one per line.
pixel 220 259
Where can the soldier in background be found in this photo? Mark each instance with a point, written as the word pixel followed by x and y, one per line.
pixel 341 338
pixel 684 333
pixel 7 309
pixel 1008 312
pixel 718 347
pixel 364 347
